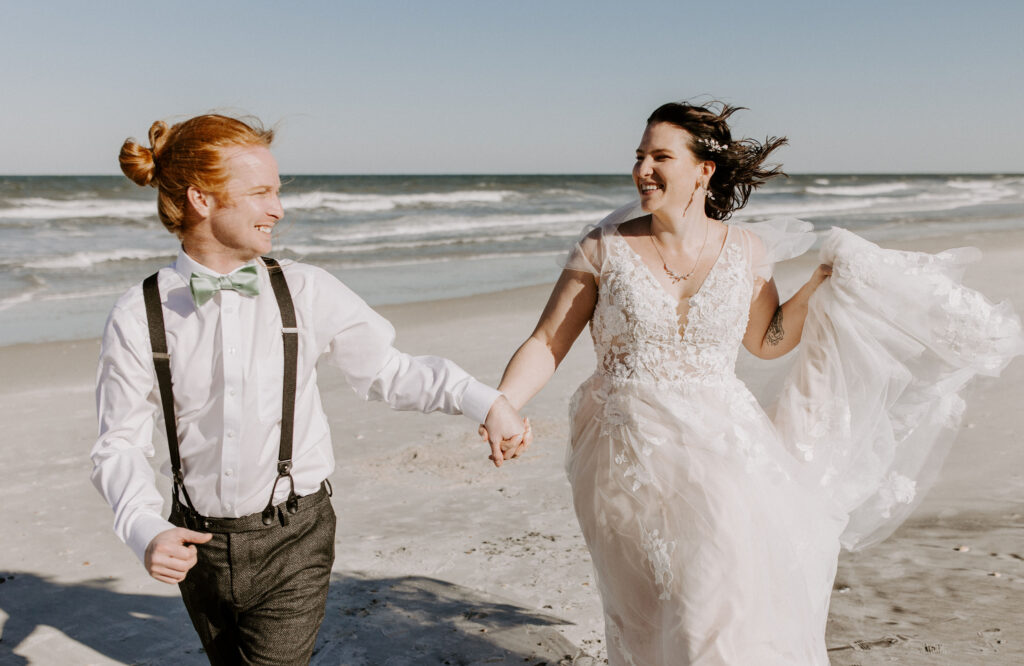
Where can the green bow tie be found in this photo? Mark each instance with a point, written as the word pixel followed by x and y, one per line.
pixel 245 281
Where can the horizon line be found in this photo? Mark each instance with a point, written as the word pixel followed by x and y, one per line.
pixel 534 174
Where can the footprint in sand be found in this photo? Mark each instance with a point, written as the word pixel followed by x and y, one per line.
pixel 991 639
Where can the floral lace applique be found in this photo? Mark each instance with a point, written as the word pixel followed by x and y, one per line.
pixel 639 471
pixel 825 417
pixel 636 329
pixel 973 328
pixel 858 270
pixel 895 488
pixel 640 474
pixel 659 554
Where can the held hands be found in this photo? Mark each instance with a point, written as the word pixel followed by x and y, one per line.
pixel 506 432
pixel 170 554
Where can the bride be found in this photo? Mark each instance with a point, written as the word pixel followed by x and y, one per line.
pixel 714 529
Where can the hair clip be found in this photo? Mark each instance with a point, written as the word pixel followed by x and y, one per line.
pixel 713 145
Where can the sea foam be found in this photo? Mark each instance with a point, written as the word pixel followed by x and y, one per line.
pixel 858 190
pixel 34 208
pixel 87 259
pixel 369 203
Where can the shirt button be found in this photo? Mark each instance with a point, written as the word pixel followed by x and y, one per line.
pixel 231 392
pixel 231 435
pixel 229 472
pixel 231 350
pixel 227 507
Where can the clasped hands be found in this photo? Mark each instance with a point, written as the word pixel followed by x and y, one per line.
pixel 507 433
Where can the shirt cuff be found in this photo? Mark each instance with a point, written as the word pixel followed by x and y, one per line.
pixel 477 400
pixel 144 529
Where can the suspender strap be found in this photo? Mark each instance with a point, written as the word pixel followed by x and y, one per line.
pixel 290 339
pixel 162 365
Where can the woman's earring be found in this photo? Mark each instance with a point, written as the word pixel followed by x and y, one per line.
pixel 710 194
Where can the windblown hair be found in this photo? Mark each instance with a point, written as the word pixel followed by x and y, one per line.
pixel 739 164
pixel 188 154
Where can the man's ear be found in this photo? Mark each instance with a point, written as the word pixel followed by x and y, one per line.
pixel 199 201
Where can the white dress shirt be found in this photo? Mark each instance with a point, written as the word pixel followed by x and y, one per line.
pixel 226 368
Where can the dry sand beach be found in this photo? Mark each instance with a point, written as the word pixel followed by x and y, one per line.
pixel 442 559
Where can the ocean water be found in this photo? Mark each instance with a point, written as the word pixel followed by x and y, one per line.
pixel 69 246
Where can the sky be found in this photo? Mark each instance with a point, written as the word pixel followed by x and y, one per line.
pixel 517 86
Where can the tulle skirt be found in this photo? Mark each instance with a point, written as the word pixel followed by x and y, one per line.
pixel 708 549
pixel 714 529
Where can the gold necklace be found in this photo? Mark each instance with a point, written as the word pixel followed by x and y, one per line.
pixel 675 277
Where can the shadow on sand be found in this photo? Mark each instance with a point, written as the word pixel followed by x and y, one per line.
pixel 369 621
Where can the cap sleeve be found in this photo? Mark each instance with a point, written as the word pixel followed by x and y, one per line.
pixel 775 240
pixel 588 252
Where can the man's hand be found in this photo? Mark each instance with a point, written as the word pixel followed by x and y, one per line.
pixel 504 429
pixel 171 554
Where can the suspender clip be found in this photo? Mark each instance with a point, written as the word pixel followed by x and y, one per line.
pixel 284 467
pixel 161 356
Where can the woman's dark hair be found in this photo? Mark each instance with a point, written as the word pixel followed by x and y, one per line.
pixel 738 163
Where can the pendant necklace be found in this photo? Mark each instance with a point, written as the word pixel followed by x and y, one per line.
pixel 675 277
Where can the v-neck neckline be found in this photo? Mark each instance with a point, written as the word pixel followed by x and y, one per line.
pixel 678 301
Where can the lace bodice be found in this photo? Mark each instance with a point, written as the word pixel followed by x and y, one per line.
pixel 637 332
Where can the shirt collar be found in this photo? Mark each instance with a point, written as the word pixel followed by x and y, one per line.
pixel 186 266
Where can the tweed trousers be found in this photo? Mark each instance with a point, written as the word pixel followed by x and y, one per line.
pixel 257 594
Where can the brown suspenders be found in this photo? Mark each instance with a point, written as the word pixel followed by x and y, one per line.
pixel 290 339
pixel 162 364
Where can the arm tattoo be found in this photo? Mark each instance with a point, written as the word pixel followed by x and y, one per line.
pixel 775 333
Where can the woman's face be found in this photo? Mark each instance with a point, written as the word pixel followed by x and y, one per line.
pixel 666 173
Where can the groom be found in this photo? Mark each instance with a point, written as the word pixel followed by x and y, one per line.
pixel 223 344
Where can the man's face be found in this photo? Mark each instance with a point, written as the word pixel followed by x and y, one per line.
pixel 240 220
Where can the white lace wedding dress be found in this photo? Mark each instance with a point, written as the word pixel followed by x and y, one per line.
pixel 714 529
